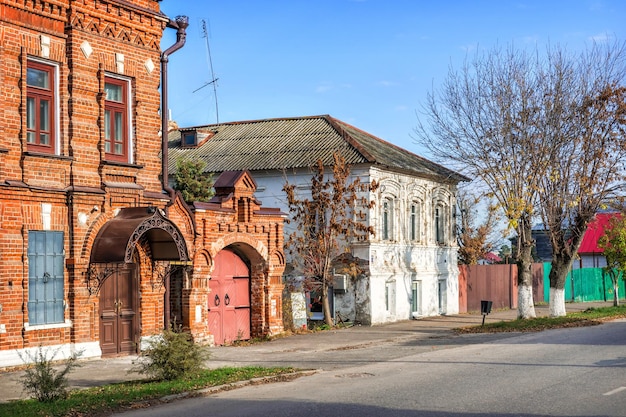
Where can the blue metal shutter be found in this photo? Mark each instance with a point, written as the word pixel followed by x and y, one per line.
pixel 45 277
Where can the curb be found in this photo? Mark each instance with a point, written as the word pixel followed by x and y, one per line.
pixel 235 385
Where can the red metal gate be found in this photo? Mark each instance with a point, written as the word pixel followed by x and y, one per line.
pixel 229 299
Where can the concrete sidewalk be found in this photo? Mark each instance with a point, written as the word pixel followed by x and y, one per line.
pixel 308 350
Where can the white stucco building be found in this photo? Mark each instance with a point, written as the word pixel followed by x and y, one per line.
pixel 410 265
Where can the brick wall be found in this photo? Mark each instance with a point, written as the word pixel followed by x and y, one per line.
pixel 77 191
pixel 257 235
pixel 82 189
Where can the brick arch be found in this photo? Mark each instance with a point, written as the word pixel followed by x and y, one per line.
pixel 278 258
pixel 265 286
pixel 91 234
pixel 180 213
pixel 203 258
pixel 257 248
pixel 202 266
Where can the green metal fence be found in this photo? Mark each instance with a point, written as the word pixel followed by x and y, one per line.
pixel 586 284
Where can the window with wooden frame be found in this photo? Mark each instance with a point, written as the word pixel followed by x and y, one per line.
pixel 190 139
pixel 41 107
pixel 116 120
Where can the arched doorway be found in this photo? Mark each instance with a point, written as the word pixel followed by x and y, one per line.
pixel 229 298
pixel 136 236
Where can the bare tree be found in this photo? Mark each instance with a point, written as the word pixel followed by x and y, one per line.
pixel 483 120
pixel 583 120
pixel 545 135
pixel 334 214
pixel 475 236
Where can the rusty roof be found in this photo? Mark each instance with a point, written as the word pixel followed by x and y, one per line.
pixel 298 142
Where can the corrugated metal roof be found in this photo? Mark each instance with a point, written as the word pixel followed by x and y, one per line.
pixel 595 230
pixel 287 143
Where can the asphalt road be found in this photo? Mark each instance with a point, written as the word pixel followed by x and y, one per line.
pixel 565 372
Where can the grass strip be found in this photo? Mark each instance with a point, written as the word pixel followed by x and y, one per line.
pixel 107 399
pixel 589 317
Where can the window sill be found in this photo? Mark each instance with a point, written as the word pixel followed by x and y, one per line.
pixel 47 155
pixel 122 164
pixel 66 324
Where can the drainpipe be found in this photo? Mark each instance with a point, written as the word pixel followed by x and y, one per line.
pixel 180 24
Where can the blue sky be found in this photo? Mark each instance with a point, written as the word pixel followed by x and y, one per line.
pixel 369 63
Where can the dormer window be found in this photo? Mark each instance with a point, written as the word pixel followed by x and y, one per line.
pixel 189 139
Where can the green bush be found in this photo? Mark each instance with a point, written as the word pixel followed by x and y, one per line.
pixel 172 355
pixel 42 380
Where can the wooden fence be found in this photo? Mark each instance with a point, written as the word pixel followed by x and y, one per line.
pixel 495 283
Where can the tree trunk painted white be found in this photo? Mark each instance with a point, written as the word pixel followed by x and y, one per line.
pixel 616 294
pixel 525 304
pixel 557 302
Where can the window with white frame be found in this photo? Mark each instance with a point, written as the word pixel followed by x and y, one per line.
pixel 387 219
pixel 41 106
pixel 117 120
pixel 45 277
pixel 390 296
pixel 416 293
pixel 440 223
pixel 441 296
pixel 414 221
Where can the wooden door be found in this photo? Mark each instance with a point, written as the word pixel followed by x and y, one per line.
pixel 118 313
pixel 229 299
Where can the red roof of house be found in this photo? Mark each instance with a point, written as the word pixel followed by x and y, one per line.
pixel 492 257
pixel 595 229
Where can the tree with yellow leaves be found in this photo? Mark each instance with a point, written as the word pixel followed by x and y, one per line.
pixel 613 243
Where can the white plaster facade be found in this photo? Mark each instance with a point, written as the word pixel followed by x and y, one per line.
pixel 409 268
pixel 411 272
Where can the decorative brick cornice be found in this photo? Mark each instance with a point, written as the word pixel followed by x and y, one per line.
pixel 47 16
pixel 53 9
pixel 120 21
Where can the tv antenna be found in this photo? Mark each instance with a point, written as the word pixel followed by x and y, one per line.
pixel 213 80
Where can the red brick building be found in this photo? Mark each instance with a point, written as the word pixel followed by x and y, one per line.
pixel 94 255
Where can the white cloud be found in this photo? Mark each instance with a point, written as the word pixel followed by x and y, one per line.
pixel 601 37
pixel 387 83
pixel 530 39
pixel 323 88
pixel 596 6
pixel 469 48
